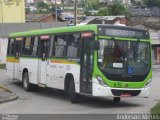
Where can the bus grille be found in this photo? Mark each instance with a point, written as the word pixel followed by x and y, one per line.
pixel 120 92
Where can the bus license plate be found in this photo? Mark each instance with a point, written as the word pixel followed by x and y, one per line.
pixel 125 95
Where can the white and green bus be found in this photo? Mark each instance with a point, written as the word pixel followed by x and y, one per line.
pixel 96 60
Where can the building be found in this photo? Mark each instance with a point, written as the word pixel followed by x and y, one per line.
pixel 12 11
pixel 152 24
pixel 115 20
pixel 43 18
pixel 56 1
pixel 29 1
pixel 111 1
pixel 144 11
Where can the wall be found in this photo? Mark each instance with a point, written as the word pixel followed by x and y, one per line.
pixel 7 28
pixel 3 49
pixel 12 12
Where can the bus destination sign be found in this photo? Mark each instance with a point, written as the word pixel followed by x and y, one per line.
pixel 125 33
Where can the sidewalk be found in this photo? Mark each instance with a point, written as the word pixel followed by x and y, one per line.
pixel 6 95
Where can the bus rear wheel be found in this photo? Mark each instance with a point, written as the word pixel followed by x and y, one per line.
pixel 25 81
pixel 72 94
pixel 116 99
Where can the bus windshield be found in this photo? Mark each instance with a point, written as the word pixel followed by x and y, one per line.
pixel 117 57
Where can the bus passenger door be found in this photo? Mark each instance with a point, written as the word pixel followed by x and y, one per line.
pixel 42 62
pixel 10 58
pixel 86 66
pixel 17 59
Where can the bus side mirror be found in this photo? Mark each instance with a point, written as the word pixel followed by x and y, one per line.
pixel 96 45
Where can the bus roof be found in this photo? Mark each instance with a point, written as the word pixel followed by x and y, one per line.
pixel 54 30
pixel 66 29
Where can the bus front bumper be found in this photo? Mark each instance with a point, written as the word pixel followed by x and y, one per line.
pixel 99 90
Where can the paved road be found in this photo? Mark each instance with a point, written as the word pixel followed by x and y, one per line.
pixel 57 102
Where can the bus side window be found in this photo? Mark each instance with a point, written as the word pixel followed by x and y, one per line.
pixel 60 45
pixel 34 46
pixel 52 49
pixel 26 46
pixel 73 45
pixel 11 46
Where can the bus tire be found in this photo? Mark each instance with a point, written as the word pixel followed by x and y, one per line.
pixel 25 81
pixel 72 94
pixel 116 99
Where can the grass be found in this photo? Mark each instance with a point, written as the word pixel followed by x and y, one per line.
pixel 2 66
pixel 156 109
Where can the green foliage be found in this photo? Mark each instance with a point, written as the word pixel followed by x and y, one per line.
pixel 156 109
pixel 42 7
pixel 117 8
pixel 94 5
pixel 27 10
pixel 127 14
pixel 91 1
pixel 103 11
pixel 133 1
pixel 137 3
pixel 152 3
pixel 87 13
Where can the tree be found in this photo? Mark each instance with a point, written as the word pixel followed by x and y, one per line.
pixel 94 4
pixel 133 1
pixel 152 3
pixel 103 11
pixel 87 13
pixel 42 7
pixel 116 8
pixel 27 10
pixel 137 3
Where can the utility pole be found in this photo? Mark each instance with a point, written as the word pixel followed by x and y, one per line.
pixel 75 12
pixel 56 9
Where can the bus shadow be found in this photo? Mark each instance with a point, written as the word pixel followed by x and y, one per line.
pixel 107 103
pixel 37 91
pixel 92 102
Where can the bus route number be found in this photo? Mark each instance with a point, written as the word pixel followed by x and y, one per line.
pixel 117 85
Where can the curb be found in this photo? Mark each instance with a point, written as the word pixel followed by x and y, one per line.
pixel 4 88
pixel 14 97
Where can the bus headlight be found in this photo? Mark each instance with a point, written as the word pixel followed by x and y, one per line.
pixel 100 81
pixel 148 84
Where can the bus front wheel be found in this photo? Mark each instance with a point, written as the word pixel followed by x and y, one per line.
pixel 25 81
pixel 116 99
pixel 72 94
